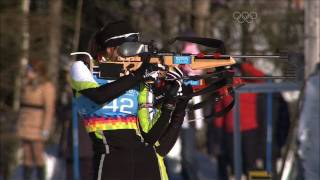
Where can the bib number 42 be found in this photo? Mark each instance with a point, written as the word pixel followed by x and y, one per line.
pixel 123 105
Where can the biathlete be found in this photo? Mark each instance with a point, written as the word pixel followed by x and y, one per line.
pixel 115 110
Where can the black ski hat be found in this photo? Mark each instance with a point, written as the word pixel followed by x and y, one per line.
pixel 115 33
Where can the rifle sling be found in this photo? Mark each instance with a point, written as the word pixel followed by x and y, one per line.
pixel 214 114
pixel 222 112
pixel 202 103
pixel 208 100
pixel 225 110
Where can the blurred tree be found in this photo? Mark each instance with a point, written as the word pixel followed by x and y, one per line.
pixel 75 44
pixel 201 14
pixel 55 39
pixel 25 45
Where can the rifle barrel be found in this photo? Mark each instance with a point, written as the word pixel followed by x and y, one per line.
pixel 262 77
pixel 248 56
pixel 256 56
pixel 266 77
pixel 243 77
pixel 234 56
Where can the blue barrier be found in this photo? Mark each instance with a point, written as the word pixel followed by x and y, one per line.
pixel 75 142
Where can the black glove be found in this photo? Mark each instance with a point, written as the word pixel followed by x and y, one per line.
pixel 183 100
pixel 144 66
pixel 186 92
pixel 148 71
pixel 172 89
pixel 170 97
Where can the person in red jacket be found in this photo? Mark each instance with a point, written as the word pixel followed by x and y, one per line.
pixel 248 127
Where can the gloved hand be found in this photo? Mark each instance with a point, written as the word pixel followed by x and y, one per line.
pixel 178 103
pixel 181 105
pixel 170 97
pixel 174 86
pixel 186 92
pixel 183 100
pixel 148 71
pixel 175 75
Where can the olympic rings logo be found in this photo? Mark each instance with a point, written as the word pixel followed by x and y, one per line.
pixel 245 16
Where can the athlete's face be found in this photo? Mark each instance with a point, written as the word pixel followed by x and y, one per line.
pixel 109 54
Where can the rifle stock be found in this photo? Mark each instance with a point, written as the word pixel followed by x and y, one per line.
pixel 133 63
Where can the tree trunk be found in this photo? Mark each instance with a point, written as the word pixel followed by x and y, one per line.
pixel 55 39
pixel 168 20
pixel 201 13
pixel 24 53
pixel 77 26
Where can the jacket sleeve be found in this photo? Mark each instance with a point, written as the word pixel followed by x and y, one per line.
pixel 49 104
pixel 82 82
pixel 171 134
pixel 158 128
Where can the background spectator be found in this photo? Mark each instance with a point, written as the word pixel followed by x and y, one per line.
pixel 36 117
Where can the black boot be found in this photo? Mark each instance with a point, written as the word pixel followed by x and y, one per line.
pixel 40 172
pixel 27 171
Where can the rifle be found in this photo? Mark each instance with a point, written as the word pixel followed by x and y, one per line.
pixel 222 75
pixel 132 52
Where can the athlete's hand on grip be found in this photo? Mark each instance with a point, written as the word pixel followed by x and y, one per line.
pixel 175 75
pixel 148 71
pixel 186 92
